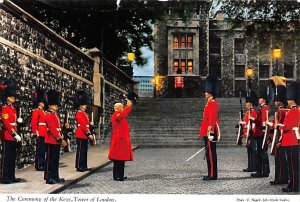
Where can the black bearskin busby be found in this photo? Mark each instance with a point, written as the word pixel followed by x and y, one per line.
pixel 212 85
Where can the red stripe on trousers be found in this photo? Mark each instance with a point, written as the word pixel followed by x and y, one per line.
pixel 78 160
pixel 47 170
pixel 293 175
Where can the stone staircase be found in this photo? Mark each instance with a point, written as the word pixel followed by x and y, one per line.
pixel 171 122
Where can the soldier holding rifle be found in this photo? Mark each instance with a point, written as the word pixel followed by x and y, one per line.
pixel 290 136
pixel 281 172
pixel 251 99
pixel 83 132
pixel 261 130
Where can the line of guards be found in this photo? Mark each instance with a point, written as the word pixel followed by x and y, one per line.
pixel 47 130
pixel 282 133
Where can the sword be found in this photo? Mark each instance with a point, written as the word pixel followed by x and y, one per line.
pixel 274 136
pixel 195 154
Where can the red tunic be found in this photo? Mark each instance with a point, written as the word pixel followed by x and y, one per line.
pixel 38 125
pixel 54 128
pixel 82 125
pixel 280 117
pixel 261 121
pixel 9 122
pixel 246 121
pixel 291 121
pixel 210 117
pixel 120 146
pixel 178 82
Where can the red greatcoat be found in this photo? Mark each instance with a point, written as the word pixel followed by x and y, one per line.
pixel 8 119
pixel 120 146
pixel 38 125
pixel 83 125
pixel 54 129
pixel 291 121
pixel 210 117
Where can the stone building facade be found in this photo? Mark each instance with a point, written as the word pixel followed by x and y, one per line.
pixel 36 57
pixel 202 46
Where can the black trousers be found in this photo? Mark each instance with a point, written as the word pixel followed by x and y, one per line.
pixel 178 92
pixel 40 155
pixel 8 163
pixel 118 169
pixel 252 154
pixel 292 153
pixel 281 171
pixel 211 157
pixel 52 162
pixel 81 153
pixel 263 166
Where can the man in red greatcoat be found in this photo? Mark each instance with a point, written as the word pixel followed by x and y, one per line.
pixel 39 128
pixel 53 139
pixel 209 129
pixel 290 136
pixel 83 132
pixel 9 136
pixel 120 146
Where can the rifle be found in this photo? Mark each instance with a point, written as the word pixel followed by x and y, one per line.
pixel 272 152
pixel 266 132
pixel 65 133
pixel 240 126
pixel 249 131
pixel 93 132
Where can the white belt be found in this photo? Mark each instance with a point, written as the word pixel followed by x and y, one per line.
pixel 86 125
pixel 58 129
pixel 296 129
pixel 13 124
pixel 42 124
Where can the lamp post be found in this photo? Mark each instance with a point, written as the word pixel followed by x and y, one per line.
pixel 130 57
pixel 276 54
pixel 249 73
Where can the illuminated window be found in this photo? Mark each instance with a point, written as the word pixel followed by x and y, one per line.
pixel 182 42
pixel 190 42
pixel 190 66
pixel 183 65
pixel 176 42
pixel 176 65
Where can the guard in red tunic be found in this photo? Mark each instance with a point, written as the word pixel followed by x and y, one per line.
pixel 120 146
pixel 82 132
pixel 209 128
pixel 248 127
pixel 290 136
pixel 281 172
pixel 9 136
pixel 179 83
pixel 53 139
pixel 39 128
pixel 263 168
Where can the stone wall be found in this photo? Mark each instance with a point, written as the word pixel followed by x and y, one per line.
pixel 36 57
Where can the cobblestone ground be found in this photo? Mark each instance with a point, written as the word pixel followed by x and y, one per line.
pixel 165 171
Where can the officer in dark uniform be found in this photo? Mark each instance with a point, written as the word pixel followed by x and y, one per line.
pixel 281 172
pixel 83 132
pixel 251 144
pixel 9 136
pixel 263 168
pixel 53 139
pixel 209 128
pixel 39 128
pixel 291 137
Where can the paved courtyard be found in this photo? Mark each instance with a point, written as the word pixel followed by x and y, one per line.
pixel 165 171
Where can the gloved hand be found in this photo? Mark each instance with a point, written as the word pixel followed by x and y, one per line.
pixel 210 137
pixel 17 137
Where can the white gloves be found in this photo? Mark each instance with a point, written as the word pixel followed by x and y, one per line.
pixel 210 137
pixel 17 138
